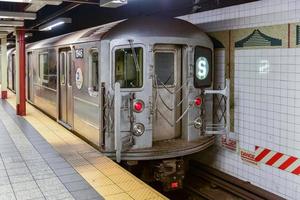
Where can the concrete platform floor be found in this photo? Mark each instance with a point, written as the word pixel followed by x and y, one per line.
pixel 40 159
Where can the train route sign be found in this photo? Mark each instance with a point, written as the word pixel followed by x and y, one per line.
pixel 78 53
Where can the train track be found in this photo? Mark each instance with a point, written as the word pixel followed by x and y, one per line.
pixel 200 189
pixel 203 182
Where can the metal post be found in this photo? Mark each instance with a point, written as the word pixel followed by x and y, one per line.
pixel 21 85
pixel 3 68
pixel 17 69
pixel 228 105
pixel 117 121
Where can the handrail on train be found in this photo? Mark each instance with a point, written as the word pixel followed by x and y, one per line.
pixel 210 128
pixel 219 128
pixel 155 81
pixel 117 121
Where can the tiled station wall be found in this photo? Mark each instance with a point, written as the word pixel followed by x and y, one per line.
pixel 258 49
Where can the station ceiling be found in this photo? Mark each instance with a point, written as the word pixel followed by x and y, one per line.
pixel 88 13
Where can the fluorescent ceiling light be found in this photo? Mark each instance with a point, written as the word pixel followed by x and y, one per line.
pixel 10 43
pixel 28 35
pixel 17 15
pixel 7 29
pixel 17 1
pixel 49 26
pixel 36 5
pixel 11 23
pixel 49 2
pixel 112 3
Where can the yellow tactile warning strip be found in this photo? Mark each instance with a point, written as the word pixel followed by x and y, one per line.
pixel 108 178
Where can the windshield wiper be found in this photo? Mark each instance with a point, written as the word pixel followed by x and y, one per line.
pixel 135 59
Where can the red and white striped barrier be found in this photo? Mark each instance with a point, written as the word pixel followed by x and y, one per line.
pixel 278 160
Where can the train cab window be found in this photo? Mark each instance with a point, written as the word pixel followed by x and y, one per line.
pixel 202 67
pixel 62 59
pixel 44 68
pixel 129 67
pixel 94 70
pixel 69 66
pixel 164 68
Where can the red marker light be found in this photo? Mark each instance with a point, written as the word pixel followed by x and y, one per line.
pixel 174 185
pixel 138 106
pixel 198 101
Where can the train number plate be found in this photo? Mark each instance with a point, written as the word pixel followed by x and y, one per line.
pixel 78 53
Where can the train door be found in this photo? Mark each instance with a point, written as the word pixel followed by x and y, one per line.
pixel 167 92
pixel 29 77
pixel 65 87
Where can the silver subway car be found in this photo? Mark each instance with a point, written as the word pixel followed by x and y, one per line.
pixel 136 89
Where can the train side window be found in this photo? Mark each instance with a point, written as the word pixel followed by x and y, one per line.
pixel 69 64
pixel 62 67
pixel 164 67
pixel 44 68
pixel 129 67
pixel 94 70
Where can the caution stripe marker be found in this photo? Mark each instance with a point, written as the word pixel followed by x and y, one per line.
pixel 279 160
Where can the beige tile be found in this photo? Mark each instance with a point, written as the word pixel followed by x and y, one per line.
pixel 92 175
pixel 112 171
pixel 157 198
pixel 142 194
pixel 100 181
pixel 131 185
pixel 109 190
pixel 120 178
pixel 121 196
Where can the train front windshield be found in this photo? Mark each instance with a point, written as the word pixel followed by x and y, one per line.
pixel 129 67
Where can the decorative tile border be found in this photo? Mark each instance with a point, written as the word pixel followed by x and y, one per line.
pixel 258 39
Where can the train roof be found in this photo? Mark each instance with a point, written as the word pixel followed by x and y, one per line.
pixel 139 27
pixel 154 27
pixel 85 35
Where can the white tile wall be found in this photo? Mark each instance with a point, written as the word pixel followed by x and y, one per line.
pixel 267 94
pixel 267 109
pixel 260 13
pixel 267 113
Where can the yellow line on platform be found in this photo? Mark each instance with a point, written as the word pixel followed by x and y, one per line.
pixel 108 178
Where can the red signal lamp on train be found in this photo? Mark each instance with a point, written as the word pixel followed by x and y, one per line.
pixel 198 101
pixel 174 185
pixel 138 106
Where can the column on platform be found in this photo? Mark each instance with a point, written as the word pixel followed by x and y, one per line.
pixel 20 73
pixel 4 68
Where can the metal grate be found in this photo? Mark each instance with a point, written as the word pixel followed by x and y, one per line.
pixel 219 110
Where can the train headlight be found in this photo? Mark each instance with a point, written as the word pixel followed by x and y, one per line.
pixel 138 105
pixel 138 129
pixel 198 123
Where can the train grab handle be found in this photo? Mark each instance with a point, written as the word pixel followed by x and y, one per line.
pixel 117 121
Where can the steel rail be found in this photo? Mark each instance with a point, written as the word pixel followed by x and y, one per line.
pixel 228 183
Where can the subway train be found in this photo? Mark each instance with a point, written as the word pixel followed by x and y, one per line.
pixel 137 90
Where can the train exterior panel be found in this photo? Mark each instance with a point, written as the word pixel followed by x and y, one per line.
pixel 135 89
